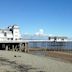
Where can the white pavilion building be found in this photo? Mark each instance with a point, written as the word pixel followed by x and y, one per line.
pixel 10 33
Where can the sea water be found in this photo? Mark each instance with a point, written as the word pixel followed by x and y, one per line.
pixel 51 45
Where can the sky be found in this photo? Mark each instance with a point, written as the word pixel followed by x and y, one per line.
pixel 52 17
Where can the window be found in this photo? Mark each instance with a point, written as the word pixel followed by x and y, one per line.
pixel 62 39
pixel 5 34
pixel 11 38
pixel 8 38
pixel 49 38
pixel 16 39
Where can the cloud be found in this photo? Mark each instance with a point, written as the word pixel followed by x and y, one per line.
pixel 36 33
pixel 26 33
pixel 40 32
pixel 50 35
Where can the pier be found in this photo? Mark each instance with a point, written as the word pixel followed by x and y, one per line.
pixel 18 45
pixel 23 45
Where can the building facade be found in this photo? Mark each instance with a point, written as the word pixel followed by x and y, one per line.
pixel 10 33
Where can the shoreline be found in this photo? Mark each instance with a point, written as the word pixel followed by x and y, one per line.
pixel 58 55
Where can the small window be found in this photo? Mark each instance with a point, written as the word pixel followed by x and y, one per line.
pixel 8 38
pixel 11 38
pixel 55 38
pixel 16 39
pixel 49 38
pixel 62 39
pixel 5 34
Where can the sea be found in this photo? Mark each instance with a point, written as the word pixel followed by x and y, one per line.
pixel 51 45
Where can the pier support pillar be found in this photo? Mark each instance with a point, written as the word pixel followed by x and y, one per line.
pixel 16 48
pixel 20 46
pixel 3 46
pixel 13 49
pixel 26 47
pixel 6 47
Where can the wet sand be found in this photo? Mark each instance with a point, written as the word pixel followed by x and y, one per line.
pixel 23 62
pixel 58 55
